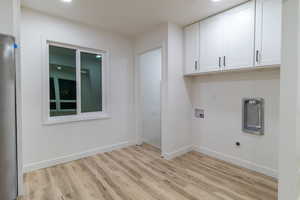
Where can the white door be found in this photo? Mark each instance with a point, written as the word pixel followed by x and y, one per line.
pixel 150 95
pixel 211 43
pixel 239 24
pixel 191 34
pixel 268 32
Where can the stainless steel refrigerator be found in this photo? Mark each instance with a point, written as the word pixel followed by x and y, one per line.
pixel 8 136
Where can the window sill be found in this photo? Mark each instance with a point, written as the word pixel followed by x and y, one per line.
pixel 76 118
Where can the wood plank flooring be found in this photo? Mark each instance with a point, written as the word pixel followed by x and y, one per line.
pixel 139 173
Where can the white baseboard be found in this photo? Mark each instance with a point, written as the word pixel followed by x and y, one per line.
pixel 237 161
pixel 151 143
pixel 68 158
pixel 155 145
pixel 177 153
pixel 64 159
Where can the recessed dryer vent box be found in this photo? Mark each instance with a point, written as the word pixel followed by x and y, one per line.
pixel 253 116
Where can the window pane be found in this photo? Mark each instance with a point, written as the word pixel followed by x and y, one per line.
pixel 67 106
pixel 52 89
pixel 91 82
pixel 53 106
pixel 62 72
pixel 67 89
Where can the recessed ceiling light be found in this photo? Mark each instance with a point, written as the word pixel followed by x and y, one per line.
pixel 215 0
pixel 67 1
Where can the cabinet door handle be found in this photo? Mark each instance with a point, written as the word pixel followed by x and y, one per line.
pixel 196 65
pixel 257 56
pixel 224 61
pixel 220 62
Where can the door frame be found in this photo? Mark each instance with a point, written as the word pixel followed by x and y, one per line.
pixel 163 94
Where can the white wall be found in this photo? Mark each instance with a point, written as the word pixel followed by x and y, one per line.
pixel 150 78
pixel 9 17
pixel 289 104
pixel 298 109
pixel 6 17
pixel 176 106
pixel 151 39
pixel 44 145
pixel 178 122
pixel 221 98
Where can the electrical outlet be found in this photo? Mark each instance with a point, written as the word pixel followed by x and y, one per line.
pixel 199 113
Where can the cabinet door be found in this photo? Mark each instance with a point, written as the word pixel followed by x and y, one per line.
pixel 191 49
pixel 268 32
pixel 211 43
pixel 239 24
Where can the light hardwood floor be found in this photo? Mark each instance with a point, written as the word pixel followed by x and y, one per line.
pixel 139 173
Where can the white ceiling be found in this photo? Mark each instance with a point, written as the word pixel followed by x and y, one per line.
pixel 131 17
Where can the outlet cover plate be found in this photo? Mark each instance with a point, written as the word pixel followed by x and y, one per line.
pixel 199 113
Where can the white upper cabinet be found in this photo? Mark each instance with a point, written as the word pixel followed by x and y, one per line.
pixel 246 36
pixel 239 24
pixel 211 44
pixel 191 49
pixel 268 32
pixel 227 39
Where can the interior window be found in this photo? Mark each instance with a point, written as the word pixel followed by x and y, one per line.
pixel 62 71
pixel 65 91
pixel 91 82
